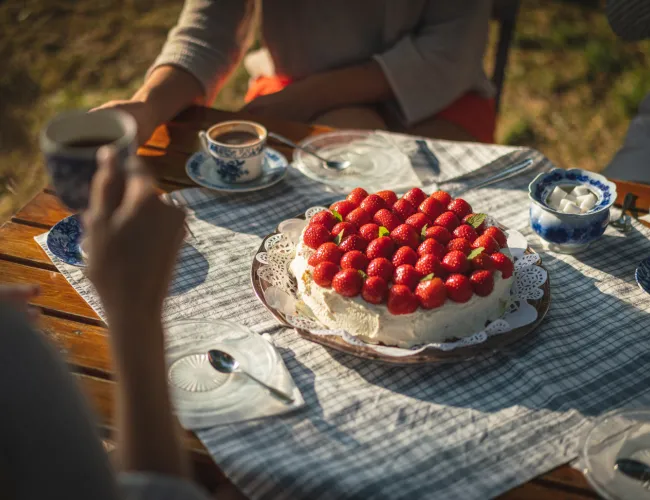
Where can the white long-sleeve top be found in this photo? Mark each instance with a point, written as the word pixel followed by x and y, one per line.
pixel 431 51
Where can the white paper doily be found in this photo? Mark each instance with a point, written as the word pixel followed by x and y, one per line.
pixel 281 294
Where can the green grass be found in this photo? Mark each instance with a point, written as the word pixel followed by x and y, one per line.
pixel 570 91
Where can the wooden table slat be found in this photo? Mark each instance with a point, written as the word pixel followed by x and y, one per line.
pixel 643 193
pixel 566 476
pixel 44 210
pixel 57 295
pixel 84 346
pixel 535 491
pixel 17 244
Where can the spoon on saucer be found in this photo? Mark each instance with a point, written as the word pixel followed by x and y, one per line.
pixel 634 469
pixel 329 164
pixel 225 363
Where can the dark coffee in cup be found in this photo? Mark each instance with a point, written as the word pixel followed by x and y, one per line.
pixel 236 137
pixel 70 143
pixel 92 142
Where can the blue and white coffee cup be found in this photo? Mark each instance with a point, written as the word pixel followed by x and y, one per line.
pixel 236 163
pixel 70 142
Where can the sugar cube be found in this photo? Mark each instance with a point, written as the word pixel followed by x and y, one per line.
pixel 563 204
pixel 581 191
pixel 572 208
pixel 586 202
pixel 557 195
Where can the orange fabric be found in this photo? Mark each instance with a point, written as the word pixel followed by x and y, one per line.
pixel 473 113
pixel 265 85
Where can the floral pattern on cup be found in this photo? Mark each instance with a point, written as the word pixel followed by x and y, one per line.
pixel 235 163
pixel 569 233
pixel 227 152
pixel 230 170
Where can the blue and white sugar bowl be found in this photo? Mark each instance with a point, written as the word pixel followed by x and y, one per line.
pixel 570 208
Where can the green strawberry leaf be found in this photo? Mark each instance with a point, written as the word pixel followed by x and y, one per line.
pixel 337 216
pixel 428 277
pixel 339 238
pixel 475 253
pixel 423 233
pixel 363 275
pixel 476 220
pixel 383 231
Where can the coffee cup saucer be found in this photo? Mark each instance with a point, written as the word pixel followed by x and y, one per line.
pixel 642 275
pixel 202 169
pixel 63 241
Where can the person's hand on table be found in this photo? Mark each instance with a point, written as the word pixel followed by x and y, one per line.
pixel 140 110
pixel 19 296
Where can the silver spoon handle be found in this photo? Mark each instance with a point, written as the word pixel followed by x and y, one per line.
pixel 506 173
pixel 286 141
pixel 279 394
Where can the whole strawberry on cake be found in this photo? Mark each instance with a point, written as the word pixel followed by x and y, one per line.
pixel 403 271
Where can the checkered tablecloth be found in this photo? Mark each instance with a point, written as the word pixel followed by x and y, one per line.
pixel 470 430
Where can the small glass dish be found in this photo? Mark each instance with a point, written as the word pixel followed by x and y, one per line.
pixel 374 160
pixel 615 435
pixel 197 389
pixel 569 233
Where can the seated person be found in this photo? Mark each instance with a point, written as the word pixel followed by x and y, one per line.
pixel 411 66
pixel 630 19
pixel 49 447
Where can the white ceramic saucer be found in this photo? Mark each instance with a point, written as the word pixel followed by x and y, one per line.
pixel 202 169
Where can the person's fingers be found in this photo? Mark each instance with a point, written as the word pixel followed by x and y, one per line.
pixel 106 105
pixel 140 185
pixel 18 293
pixel 107 187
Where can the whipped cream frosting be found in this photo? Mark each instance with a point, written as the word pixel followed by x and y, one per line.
pixel 375 324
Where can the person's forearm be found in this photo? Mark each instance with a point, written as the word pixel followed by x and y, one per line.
pixel 168 91
pixel 359 84
pixel 149 437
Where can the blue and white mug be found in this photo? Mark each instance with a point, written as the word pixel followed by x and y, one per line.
pixel 235 163
pixel 70 142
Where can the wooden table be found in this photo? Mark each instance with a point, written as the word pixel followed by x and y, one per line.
pixel 82 337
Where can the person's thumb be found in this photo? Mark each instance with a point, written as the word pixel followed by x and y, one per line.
pixel 107 187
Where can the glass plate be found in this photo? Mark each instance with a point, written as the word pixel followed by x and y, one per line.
pixel 374 159
pixel 618 434
pixel 196 387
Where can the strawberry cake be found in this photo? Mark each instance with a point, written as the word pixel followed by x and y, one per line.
pixel 403 271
